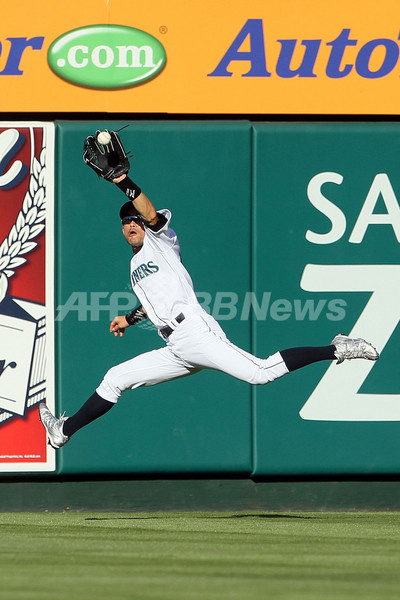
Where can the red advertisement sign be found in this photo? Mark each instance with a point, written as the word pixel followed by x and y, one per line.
pixel 26 293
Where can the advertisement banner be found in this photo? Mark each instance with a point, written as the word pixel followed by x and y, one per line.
pixel 262 57
pixel 26 293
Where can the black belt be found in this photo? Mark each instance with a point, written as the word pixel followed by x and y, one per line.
pixel 167 330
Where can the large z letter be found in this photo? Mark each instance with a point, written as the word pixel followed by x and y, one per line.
pixel 336 397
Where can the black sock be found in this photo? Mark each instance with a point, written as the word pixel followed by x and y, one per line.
pixel 296 358
pixel 93 408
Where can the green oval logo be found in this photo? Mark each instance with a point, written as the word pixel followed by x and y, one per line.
pixel 106 56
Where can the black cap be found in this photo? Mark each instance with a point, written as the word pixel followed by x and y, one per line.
pixel 128 210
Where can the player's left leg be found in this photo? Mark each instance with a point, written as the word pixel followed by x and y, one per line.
pixel 224 356
pixel 341 348
pixel 203 343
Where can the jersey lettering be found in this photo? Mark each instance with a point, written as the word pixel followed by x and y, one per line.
pixel 143 271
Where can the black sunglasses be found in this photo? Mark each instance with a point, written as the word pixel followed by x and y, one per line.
pixel 129 219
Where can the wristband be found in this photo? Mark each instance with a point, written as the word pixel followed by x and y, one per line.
pixel 130 189
pixel 135 316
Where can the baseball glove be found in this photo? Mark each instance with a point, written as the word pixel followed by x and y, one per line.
pixel 109 161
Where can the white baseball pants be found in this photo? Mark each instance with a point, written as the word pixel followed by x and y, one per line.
pixel 197 343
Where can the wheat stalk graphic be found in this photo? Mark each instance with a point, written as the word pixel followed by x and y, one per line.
pixel 29 223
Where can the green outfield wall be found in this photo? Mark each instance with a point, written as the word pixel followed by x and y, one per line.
pixel 201 172
pixel 291 234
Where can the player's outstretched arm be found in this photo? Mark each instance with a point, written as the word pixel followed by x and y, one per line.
pixel 140 201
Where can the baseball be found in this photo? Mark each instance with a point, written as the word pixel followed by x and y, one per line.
pixel 104 138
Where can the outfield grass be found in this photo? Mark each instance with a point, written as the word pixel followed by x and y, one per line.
pixel 200 556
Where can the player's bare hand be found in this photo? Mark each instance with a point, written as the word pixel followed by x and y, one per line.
pixel 118 326
pixel 118 179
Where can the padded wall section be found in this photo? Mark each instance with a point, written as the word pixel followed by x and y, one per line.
pixel 326 259
pixel 201 171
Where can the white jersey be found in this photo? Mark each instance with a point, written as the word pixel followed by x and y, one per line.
pixel 159 279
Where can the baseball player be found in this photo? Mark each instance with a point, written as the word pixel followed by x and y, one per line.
pixel 193 338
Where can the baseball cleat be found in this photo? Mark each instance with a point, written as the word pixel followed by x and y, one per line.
pixel 348 348
pixel 53 426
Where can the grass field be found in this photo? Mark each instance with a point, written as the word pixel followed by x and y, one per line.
pixel 200 556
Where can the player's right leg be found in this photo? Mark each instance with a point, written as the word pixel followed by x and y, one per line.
pixel 146 369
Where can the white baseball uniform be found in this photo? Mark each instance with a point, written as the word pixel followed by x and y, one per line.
pixel 165 290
